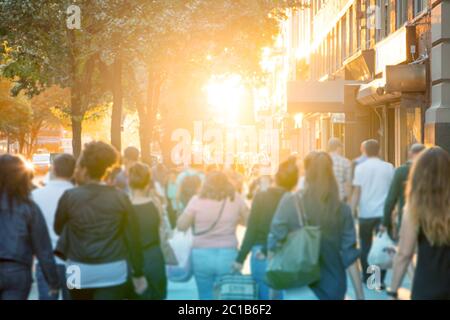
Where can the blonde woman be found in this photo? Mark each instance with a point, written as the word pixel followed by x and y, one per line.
pixel 426 225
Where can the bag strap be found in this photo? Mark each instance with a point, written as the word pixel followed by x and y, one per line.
pixel 213 225
pixel 300 209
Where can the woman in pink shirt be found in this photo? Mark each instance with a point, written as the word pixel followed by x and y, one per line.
pixel 213 216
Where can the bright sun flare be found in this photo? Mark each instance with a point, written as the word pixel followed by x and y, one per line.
pixel 225 96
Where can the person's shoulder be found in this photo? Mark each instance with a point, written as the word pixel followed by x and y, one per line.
pixel 388 165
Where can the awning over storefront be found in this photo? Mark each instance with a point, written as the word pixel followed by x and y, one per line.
pixel 406 83
pixel 374 93
pixel 360 66
pixel 322 97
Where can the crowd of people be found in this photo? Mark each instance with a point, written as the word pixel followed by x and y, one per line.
pixel 109 219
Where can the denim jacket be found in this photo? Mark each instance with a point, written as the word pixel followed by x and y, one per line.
pixel 337 250
pixel 23 233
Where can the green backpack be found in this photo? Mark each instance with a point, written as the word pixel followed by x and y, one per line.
pixel 296 263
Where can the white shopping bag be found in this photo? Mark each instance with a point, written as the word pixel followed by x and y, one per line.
pixel 382 252
pixel 181 243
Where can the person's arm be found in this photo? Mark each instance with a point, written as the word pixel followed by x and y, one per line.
pixel 348 181
pixel 250 233
pixel 244 212
pixel 133 239
pixel 392 198
pixel 406 249
pixel 61 215
pixel 186 220
pixel 283 221
pixel 356 196
pixel 42 247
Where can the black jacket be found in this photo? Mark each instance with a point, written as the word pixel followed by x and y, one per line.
pixel 396 195
pixel 23 233
pixel 97 224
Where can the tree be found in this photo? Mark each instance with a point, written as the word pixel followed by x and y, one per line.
pixel 44 52
pixel 174 38
pixel 16 115
pixel 133 47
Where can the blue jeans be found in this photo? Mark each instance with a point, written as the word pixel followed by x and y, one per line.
pixel 43 288
pixel 209 265
pixel 15 281
pixel 258 268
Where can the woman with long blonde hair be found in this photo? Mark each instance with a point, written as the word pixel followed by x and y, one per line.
pixel 426 225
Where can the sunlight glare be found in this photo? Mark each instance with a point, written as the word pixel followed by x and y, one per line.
pixel 225 96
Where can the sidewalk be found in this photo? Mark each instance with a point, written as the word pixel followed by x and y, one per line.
pixel 188 291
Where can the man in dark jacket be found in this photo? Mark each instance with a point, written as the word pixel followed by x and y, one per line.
pixel 396 195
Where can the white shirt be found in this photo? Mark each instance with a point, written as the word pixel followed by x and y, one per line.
pixel 103 275
pixel 374 176
pixel 47 199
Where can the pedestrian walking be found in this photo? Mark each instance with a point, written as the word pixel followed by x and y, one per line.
pixel 150 221
pixel 321 207
pixel 47 199
pixel 371 184
pixel 262 211
pixel 397 190
pixel 23 233
pixel 426 225
pixel 213 215
pixel 98 229
pixel 342 169
pixel 130 157
pixel 189 187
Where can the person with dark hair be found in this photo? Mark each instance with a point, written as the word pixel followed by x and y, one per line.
pixel 47 199
pixel 150 223
pixel 23 233
pixel 262 211
pixel 98 229
pixel 396 195
pixel 213 215
pixel 190 186
pixel 371 184
pixel 321 207
pixel 130 157
pixel 426 226
pixel 193 170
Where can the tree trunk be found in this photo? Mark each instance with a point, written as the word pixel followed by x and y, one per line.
pixel 76 136
pixel 149 121
pixel 116 116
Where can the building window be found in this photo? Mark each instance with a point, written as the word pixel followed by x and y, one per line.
pixel 420 6
pixel 358 17
pixel 350 31
pixel 343 39
pixel 401 13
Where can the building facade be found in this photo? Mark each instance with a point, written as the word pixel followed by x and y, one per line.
pixel 370 69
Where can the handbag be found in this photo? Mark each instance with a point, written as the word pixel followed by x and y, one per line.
pixel 296 263
pixel 181 244
pixel 382 252
pixel 236 287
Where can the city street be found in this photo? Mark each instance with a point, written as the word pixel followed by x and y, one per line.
pixel 308 138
